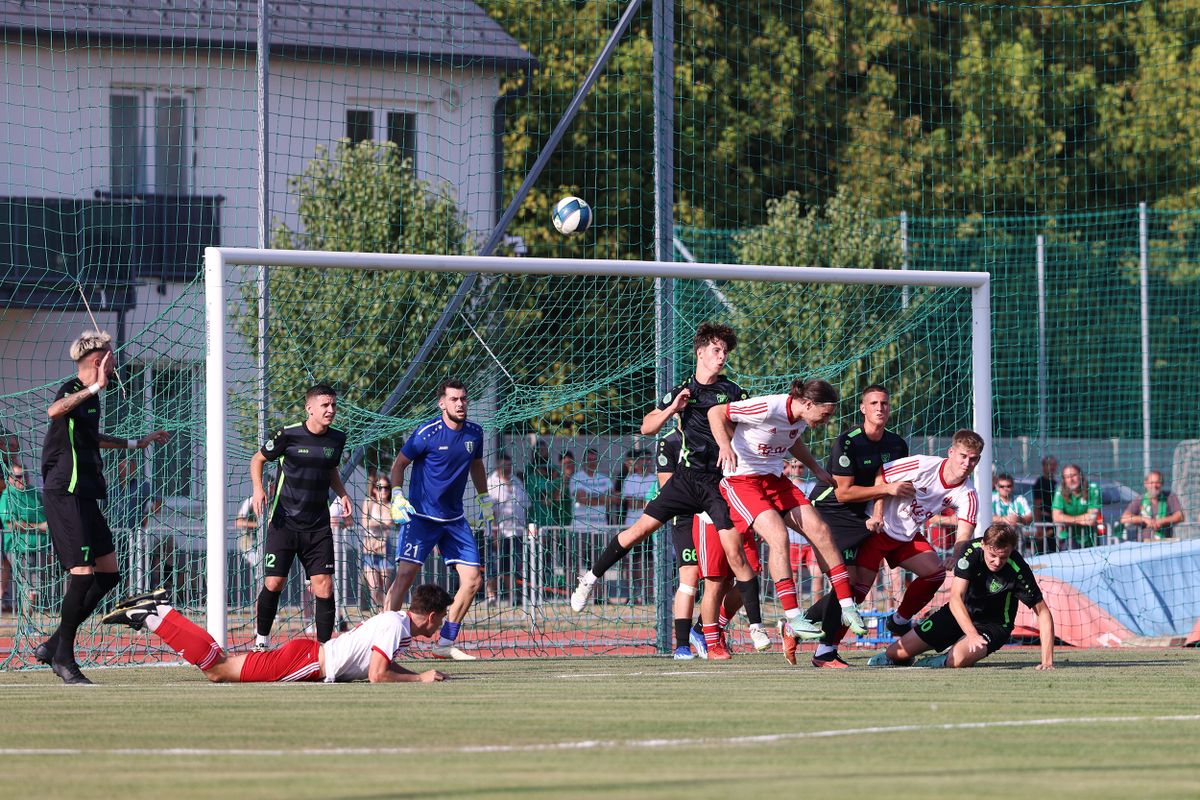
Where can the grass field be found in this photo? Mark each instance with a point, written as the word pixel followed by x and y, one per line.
pixel 1118 723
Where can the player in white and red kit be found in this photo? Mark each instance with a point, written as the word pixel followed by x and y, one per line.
pixel 942 486
pixel 367 652
pixel 755 436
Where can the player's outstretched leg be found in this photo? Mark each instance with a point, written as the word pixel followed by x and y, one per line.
pixel 617 548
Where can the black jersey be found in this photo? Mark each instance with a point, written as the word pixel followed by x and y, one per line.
pixel 854 454
pixel 71 452
pixel 991 595
pixel 698 449
pixel 306 460
pixel 666 451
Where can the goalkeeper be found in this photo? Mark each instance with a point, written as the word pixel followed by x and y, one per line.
pixel 978 620
pixel 443 452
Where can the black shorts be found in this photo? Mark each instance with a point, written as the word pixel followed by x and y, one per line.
pixel 940 631
pixel 681 538
pixel 689 492
pixel 77 528
pixel 315 549
pixel 849 531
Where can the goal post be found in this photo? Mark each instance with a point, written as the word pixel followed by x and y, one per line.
pixel 219 260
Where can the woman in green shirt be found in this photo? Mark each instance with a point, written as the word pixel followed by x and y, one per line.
pixel 1075 509
pixel 26 537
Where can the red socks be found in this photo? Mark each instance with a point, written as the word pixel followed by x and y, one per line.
pixel 188 639
pixel 840 581
pixel 786 590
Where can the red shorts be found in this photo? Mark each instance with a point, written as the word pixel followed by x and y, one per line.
pixel 710 554
pixel 879 546
pixel 803 554
pixel 294 660
pixel 750 495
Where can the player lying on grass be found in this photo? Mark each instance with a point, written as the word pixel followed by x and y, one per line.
pixel 978 620
pixel 365 652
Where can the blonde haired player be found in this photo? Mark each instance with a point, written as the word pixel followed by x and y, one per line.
pixel 941 486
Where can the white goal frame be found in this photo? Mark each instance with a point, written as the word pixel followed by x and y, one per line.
pixel 218 259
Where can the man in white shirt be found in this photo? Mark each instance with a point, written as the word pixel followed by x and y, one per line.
pixel 942 487
pixel 365 652
pixel 593 492
pixel 636 486
pixel 511 503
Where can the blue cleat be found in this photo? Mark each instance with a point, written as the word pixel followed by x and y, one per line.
pixel 698 643
pixel 683 654
pixel 881 659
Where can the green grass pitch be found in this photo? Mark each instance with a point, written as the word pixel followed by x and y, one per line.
pixel 1119 724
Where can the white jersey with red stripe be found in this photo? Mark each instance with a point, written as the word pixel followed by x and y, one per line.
pixel 903 519
pixel 348 657
pixel 765 432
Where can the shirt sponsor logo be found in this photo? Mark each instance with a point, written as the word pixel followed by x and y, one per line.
pixel 724 398
pixel 995 585
pixel 302 451
pixel 329 452
pixel 844 460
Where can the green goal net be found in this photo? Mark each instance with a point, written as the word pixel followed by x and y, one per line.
pixel 1051 146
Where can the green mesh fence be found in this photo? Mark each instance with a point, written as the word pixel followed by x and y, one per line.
pixel 803 131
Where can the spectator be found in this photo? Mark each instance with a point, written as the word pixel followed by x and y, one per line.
pixel 1156 513
pixel 544 485
pixel 567 467
pixel 592 491
pixel 639 483
pixel 131 504
pixel 378 529
pixel 26 536
pixel 1012 509
pixel 1043 491
pixel 1075 508
pixel 511 503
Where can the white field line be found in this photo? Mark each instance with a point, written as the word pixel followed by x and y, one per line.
pixel 587 744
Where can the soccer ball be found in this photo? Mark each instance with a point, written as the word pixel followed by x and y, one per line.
pixel 572 215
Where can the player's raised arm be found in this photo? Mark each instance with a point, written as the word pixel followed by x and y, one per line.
pixel 653 422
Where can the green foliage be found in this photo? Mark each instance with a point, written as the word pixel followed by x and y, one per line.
pixel 356 330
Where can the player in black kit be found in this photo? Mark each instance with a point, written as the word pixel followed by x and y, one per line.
pixel 73 485
pixel 989 578
pixel 694 486
pixel 309 454
pixel 854 460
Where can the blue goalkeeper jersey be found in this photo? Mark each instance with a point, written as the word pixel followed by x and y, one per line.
pixel 441 463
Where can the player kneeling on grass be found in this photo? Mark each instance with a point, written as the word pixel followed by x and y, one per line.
pixel 979 618
pixel 365 652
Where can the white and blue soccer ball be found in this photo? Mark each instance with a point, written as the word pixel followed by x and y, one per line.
pixel 572 215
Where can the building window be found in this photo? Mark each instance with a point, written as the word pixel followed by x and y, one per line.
pixel 151 135
pixel 398 127
pixel 159 396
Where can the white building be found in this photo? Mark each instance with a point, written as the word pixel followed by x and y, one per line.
pixel 128 143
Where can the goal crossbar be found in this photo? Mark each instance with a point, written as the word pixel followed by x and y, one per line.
pixel 218 259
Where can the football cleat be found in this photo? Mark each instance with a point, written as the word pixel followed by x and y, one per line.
pixel 698 644
pixel 898 629
pixel 70 673
pixel 159 596
pixel 259 647
pixel 452 653
pixel 854 621
pixel 932 661
pixel 789 642
pixel 581 595
pixel 880 659
pixel 760 638
pixel 830 661
pixel 44 652
pixel 132 615
pixel 718 653
pixel 802 627
pixel 683 654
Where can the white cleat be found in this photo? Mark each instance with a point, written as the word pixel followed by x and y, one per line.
pixel 581 595
pixel 452 653
pixel 760 639
pixel 854 621
pixel 801 627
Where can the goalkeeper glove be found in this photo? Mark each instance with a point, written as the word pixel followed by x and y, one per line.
pixel 401 508
pixel 487 510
